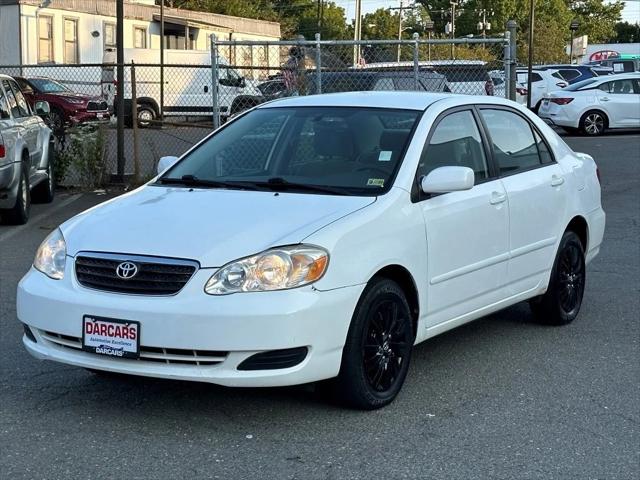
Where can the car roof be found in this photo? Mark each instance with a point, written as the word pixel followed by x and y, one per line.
pixel 409 100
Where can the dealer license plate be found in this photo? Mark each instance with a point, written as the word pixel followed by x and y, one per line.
pixel 112 337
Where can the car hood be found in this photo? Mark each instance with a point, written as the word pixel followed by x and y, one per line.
pixel 212 226
pixel 68 95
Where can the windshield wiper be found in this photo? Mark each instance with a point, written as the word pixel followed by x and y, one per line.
pixel 279 183
pixel 193 181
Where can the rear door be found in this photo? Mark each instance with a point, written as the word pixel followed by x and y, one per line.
pixel 535 187
pixel 621 101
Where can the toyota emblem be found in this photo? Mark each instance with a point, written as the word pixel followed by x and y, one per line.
pixel 127 270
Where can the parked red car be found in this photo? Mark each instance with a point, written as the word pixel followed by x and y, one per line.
pixel 67 106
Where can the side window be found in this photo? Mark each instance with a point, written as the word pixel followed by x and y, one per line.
pixel 543 150
pixel 23 106
pixel 605 87
pixel 569 74
pixel 455 141
pixel 535 77
pixel 514 147
pixel 4 108
pixel 11 100
pixel 622 86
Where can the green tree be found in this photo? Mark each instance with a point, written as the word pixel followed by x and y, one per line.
pixel 626 33
pixel 380 25
pixel 597 19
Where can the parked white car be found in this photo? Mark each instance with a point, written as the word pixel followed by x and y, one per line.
pixel 596 105
pixel 321 237
pixel 542 82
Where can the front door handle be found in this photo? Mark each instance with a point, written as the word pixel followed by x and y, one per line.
pixel 497 197
pixel 605 99
pixel 556 181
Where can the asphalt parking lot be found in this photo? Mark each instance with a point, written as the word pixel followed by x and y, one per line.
pixel 498 398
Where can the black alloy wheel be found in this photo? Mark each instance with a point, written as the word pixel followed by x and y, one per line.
pixel 376 355
pixel 562 301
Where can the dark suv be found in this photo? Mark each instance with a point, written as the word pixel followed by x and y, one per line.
pixel 577 73
pixel 67 106
pixel 346 81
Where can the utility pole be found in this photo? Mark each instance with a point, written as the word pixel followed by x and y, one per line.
pixel 452 34
pixel 120 90
pixel 357 35
pixel 320 15
pixel 400 10
pixel 530 65
pixel 162 59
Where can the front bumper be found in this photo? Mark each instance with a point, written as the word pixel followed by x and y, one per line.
pixel 90 116
pixel 238 325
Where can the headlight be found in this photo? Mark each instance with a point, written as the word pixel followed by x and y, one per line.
pixel 275 269
pixel 52 255
pixel 75 101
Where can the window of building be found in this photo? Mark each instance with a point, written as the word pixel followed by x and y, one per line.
pixel 109 33
pixel 71 40
pixel 455 142
pixel 139 37
pixel 45 39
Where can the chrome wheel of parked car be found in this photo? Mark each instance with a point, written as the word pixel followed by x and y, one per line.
pixel 593 123
pixel 146 115
pixel 19 214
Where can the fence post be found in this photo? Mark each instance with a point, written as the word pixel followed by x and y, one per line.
pixel 214 82
pixel 318 65
pixel 506 55
pixel 416 59
pixel 512 28
pixel 134 125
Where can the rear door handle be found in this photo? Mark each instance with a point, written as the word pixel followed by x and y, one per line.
pixel 605 99
pixel 497 197
pixel 556 181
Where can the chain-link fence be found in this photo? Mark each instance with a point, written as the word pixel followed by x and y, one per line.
pixel 177 106
pixel 466 66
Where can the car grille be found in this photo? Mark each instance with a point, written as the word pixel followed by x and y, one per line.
pixel 155 276
pixel 147 354
pixel 97 105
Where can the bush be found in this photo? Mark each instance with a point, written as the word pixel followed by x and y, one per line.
pixel 81 155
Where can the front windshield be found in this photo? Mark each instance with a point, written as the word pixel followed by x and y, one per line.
pixel 581 85
pixel 44 85
pixel 350 150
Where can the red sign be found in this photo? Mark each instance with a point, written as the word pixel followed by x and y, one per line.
pixel 602 55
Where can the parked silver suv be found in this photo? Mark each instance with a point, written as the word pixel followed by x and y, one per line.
pixel 26 154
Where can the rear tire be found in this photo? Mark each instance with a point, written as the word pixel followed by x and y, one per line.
pixel 561 303
pixel 146 115
pixel 19 214
pixel 376 355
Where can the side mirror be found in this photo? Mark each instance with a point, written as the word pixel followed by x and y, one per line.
pixel 447 179
pixel 165 163
pixel 42 108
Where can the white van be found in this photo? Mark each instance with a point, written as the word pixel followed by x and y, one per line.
pixel 187 83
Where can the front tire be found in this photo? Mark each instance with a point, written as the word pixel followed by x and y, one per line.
pixel 561 303
pixel 19 214
pixel 146 115
pixel 376 356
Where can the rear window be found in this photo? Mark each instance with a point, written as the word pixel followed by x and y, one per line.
pixel 464 74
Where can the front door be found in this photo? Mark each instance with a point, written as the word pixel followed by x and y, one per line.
pixel 467 231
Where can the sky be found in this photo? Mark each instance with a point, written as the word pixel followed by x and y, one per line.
pixel 631 12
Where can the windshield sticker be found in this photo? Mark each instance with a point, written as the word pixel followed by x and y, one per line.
pixel 385 156
pixel 375 182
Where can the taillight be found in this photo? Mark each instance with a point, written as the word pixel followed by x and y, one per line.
pixel 3 152
pixel 561 101
pixel 522 91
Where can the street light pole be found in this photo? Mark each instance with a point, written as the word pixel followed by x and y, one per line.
pixel 120 90
pixel 357 34
pixel 162 59
pixel 573 27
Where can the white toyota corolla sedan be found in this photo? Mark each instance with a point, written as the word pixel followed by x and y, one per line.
pixel 318 238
